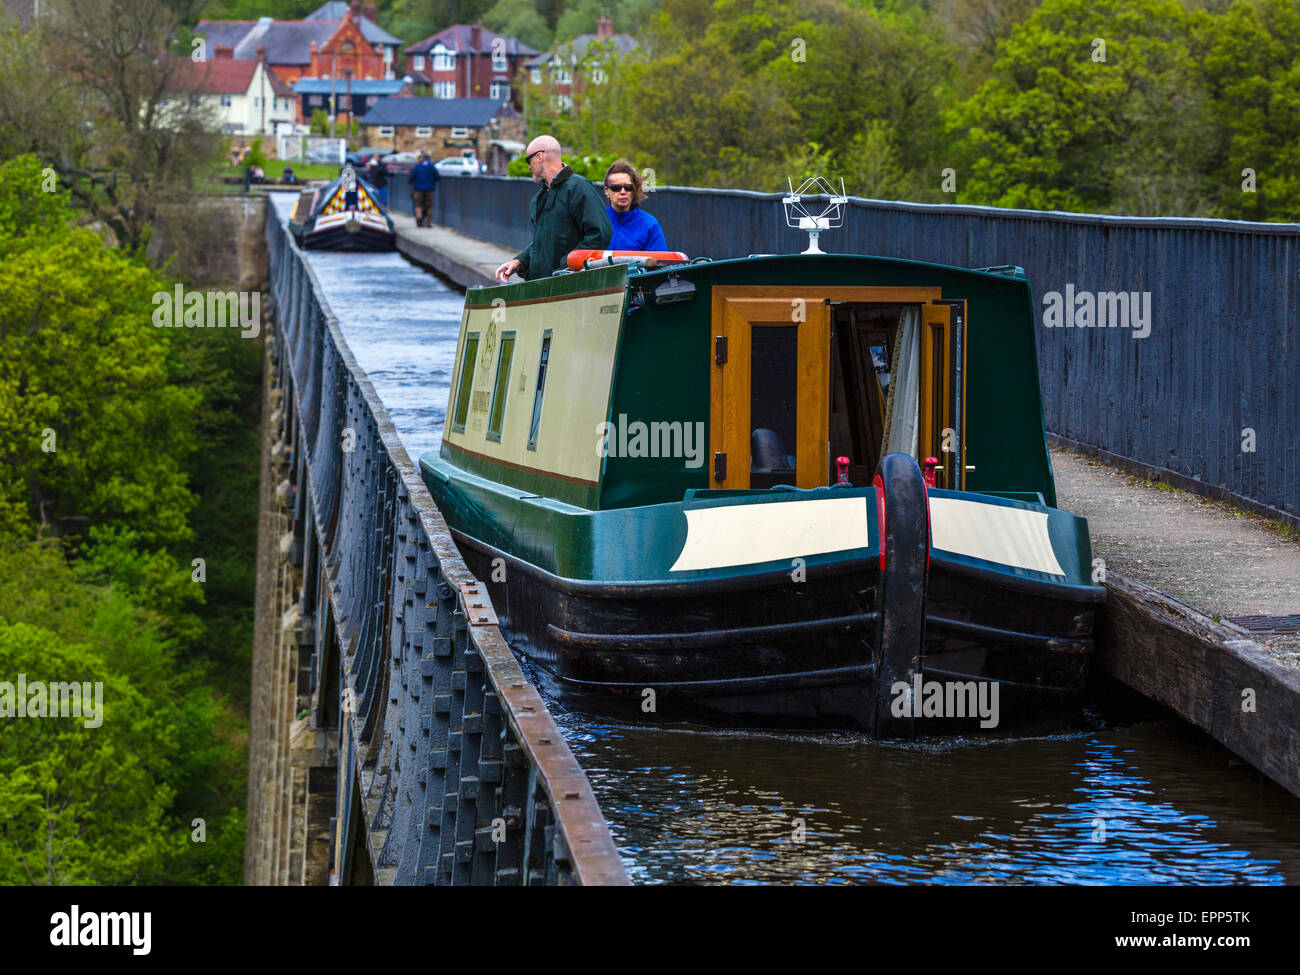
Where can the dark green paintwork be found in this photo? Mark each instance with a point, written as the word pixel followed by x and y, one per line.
pixel 663 374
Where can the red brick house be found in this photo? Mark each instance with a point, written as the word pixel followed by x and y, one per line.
pixel 307 48
pixel 467 61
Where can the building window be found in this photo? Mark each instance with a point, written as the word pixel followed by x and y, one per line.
pixel 535 76
pixel 500 90
pixel 417 62
pixel 460 132
pixel 385 131
pixel 597 76
pixel 343 103
pixel 444 89
pixel 563 76
pixel 423 131
pixel 444 61
pixel 225 101
pixel 498 59
pixel 315 99
pixel 562 103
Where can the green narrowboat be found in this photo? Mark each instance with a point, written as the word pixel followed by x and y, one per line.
pixel 697 491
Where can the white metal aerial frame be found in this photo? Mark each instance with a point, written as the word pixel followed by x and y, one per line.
pixel 798 216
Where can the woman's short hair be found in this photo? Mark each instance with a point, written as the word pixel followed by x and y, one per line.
pixel 623 166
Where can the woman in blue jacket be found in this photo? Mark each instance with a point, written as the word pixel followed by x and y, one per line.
pixel 634 229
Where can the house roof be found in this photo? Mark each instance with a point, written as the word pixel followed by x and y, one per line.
pixel 578 47
pixel 286 41
pixel 336 10
pixel 360 86
pixel 458 38
pixel 221 77
pixel 473 112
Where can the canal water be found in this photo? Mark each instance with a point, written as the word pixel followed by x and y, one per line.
pixel 1149 801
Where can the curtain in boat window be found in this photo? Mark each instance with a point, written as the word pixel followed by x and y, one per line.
pixel 902 419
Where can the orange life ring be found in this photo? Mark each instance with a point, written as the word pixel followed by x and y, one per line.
pixel 577 259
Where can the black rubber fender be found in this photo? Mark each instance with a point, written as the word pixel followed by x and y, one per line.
pixel 904 506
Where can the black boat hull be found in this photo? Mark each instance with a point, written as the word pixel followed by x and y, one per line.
pixel 786 653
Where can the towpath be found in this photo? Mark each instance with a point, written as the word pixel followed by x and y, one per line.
pixel 1209 555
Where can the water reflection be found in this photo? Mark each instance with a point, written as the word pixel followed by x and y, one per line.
pixel 1148 804
pixel 1152 803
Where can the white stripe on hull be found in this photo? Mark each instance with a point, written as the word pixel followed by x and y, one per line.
pixel 746 534
pixel 1008 536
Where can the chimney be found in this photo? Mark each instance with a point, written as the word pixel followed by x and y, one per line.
pixel 223 52
pixel 604 28
pixel 261 53
pixel 475 38
pixel 354 10
pixel 368 11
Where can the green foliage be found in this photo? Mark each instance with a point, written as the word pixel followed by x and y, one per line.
pixel 81 805
pixel 256 157
pixel 518 167
pixel 1252 70
pixel 521 19
pixel 320 121
pixel 1059 128
pixel 91 428
pixel 105 424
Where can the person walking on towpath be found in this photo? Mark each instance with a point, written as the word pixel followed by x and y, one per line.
pixel 567 214
pixel 424 180
pixel 378 177
pixel 634 229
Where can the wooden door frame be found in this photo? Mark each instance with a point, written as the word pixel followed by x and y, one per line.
pixel 812 454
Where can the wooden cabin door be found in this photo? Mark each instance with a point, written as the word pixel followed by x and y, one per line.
pixel 942 429
pixel 770 409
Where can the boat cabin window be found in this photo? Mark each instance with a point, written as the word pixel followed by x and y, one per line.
pixel 468 358
pixel 536 421
pixel 773 417
pixel 501 387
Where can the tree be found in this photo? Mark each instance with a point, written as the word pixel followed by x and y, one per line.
pixel 91 429
pixel 520 19
pixel 79 804
pixel 105 92
pixel 1093 106
pixel 1253 75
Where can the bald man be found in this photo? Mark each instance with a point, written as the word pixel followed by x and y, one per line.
pixel 567 214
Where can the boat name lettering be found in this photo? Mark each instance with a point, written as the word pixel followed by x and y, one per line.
pixel 609 309
pixel 658 438
pixel 1098 309
pixel 479 401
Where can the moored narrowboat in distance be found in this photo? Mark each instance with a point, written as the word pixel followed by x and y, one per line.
pixel 343 215
pixel 712 491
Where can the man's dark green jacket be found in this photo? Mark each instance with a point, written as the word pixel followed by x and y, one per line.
pixel 567 215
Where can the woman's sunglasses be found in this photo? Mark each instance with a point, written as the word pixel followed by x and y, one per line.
pixel 619 187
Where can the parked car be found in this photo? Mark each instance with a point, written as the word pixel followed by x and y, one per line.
pixel 401 162
pixel 457 166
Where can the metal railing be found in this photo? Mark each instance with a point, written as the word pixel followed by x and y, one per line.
pixel 451 769
pixel 1209 399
